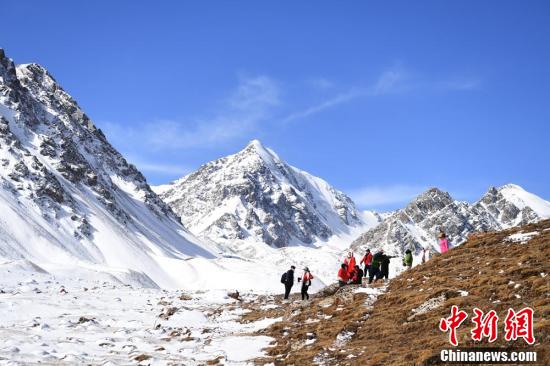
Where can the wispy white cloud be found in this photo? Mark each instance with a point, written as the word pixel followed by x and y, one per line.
pixel 240 113
pixel 390 81
pixel 377 196
pixel 326 104
pixel 255 94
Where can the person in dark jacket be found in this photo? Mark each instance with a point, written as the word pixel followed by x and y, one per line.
pixel 374 269
pixel 357 275
pixel 289 281
pixel 385 266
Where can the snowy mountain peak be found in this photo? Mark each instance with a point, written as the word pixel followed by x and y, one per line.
pixel 254 198
pixel 511 186
pixel 512 205
pixel 432 199
pixel 255 144
pixel 257 149
pixel 415 227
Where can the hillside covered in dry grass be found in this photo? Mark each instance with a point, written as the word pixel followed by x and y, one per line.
pixel 491 271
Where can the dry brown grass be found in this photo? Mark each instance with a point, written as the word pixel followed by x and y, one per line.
pixel 385 334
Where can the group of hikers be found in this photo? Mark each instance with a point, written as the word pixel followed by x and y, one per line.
pixel 375 267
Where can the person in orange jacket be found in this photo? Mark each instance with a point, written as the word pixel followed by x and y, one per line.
pixel 343 275
pixel 350 262
pixel 306 282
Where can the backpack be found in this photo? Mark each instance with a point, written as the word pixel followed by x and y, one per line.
pixel 283 278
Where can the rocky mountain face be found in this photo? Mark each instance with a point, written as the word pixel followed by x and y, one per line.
pixel 66 193
pixel 416 226
pixel 255 196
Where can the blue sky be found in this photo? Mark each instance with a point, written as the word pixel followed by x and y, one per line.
pixel 381 99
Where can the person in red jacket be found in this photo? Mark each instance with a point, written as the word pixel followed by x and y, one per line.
pixel 343 275
pixel 350 262
pixel 306 282
pixel 367 259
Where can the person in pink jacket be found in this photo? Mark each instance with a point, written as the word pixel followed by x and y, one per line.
pixel 443 242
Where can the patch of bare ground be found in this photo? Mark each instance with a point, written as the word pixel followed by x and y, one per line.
pixel 489 271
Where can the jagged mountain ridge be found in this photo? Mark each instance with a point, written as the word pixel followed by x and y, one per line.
pixel 255 196
pixel 67 196
pixel 415 226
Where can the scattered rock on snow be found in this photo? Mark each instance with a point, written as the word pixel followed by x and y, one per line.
pixel 234 295
pixel 83 319
pixel 428 305
pixel 142 357
pixel 168 312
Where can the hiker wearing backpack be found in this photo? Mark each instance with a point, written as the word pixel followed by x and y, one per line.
pixel 343 275
pixel 350 262
pixel 443 242
pixel 375 266
pixel 366 260
pixel 306 282
pixel 288 280
pixel 408 259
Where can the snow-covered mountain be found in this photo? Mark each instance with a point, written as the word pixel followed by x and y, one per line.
pixel 70 203
pixel 415 226
pixel 254 198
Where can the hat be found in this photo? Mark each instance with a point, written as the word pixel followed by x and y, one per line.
pixel 292 267
pixel 306 269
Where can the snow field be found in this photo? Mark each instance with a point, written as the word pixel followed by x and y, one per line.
pixel 64 321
